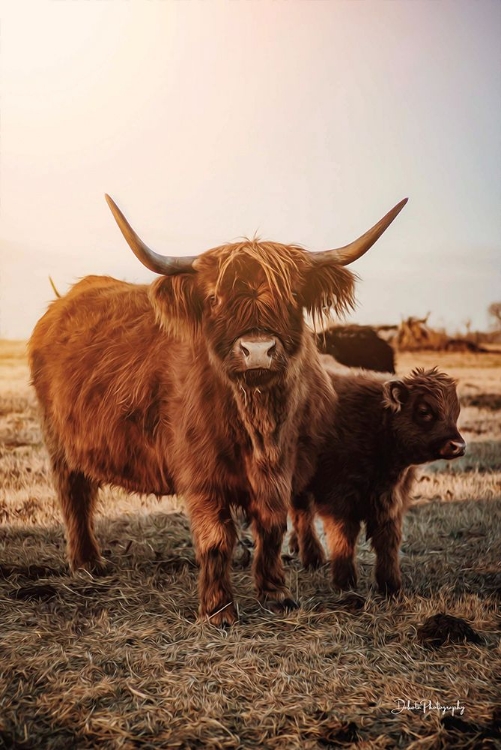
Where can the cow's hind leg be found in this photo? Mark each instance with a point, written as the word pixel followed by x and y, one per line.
pixel 304 538
pixel 214 535
pixel 77 495
pixel 269 574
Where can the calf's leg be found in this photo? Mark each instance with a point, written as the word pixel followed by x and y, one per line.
pixel 386 541
pixel 341 535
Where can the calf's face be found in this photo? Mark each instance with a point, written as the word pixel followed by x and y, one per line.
pixel 424 409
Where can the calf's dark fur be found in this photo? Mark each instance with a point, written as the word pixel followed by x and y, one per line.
pixel 378 430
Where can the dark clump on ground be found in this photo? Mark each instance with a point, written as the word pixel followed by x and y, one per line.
pixel 461 733
pixel 442 628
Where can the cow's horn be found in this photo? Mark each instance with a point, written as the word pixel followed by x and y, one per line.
pixel 163 264
pixel 353 251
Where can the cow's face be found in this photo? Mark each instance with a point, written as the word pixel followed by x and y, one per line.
pixel 245 303
pixel 425 409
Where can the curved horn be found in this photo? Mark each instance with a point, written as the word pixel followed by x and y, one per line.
pixel 164 264
pixel 353 251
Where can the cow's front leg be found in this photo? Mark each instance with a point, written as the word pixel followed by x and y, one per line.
pixel 214 536
pixel 269 576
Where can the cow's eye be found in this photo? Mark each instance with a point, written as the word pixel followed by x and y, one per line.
pixel 425 413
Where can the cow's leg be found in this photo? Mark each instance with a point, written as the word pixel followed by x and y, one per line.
pixel 386 541
pixel 77 495
pixel 341 535
pixel 304 537
pixel 214 535
pixel 293 543
pixel 269 529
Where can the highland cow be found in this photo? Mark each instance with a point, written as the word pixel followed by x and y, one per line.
pixel 377 432
pixel 357 346
pixel 198 384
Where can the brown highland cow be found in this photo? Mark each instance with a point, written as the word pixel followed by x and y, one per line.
pixel 199 384
pixel 377 431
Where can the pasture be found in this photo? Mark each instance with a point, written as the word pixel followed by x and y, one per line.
pixel 120 662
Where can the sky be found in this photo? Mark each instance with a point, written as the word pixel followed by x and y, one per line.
pixel 303 121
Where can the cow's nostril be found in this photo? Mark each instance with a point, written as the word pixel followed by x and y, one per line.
pixel 257 351
pixel 454 448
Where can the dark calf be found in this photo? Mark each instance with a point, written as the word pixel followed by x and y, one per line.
pixel 377 432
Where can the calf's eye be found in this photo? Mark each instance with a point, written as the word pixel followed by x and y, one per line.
pixel 425 413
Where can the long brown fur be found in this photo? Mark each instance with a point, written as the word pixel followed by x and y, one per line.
pixel 144 387
pixel 365 472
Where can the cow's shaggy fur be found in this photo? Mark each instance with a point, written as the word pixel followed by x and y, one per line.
pixel 378 430
pixel 143 387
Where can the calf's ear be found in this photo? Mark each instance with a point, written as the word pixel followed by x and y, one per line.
pixel 395 395
pixel 178 304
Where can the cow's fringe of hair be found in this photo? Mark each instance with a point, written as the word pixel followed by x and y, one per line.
pixel 328 291
pixel 280 268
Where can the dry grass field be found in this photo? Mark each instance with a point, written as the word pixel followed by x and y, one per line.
pixel 121 661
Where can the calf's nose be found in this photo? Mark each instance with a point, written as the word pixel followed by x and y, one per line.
pixel 257 352
pixel 453 449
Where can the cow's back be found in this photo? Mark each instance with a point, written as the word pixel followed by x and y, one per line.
pixel 357 346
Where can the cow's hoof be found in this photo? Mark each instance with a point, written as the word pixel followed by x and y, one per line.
pixel 344 585
pixel 313 560
pixel 344 577
pixel 390 589
pixel 97 568
pixel 223 618
pixel 280 607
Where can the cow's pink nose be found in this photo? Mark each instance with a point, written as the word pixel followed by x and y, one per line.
pixel 258 352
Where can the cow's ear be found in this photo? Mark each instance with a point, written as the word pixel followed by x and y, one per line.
pixel 177 304
pixel 327 288
pixel 395 395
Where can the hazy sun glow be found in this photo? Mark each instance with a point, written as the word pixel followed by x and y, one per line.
pixel 206 121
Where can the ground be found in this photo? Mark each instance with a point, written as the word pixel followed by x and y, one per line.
pixel 121 661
